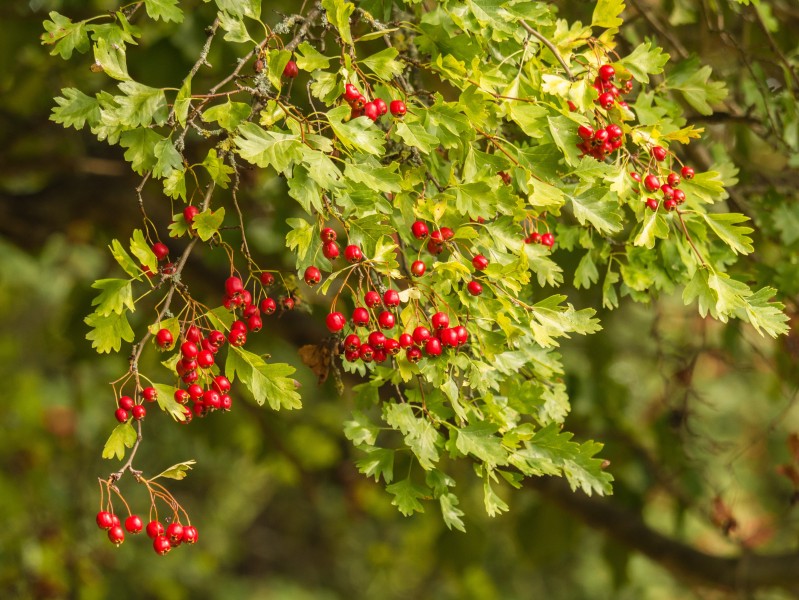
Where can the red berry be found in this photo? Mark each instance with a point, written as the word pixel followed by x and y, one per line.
pixel 126 402
pixel 667 190
pixel 189 535
pixel 607 72
pixel 366 353
pixel 287 303
pixel 205 359
pixel 268 306
pixel 398 108
pixel 237 337
pixel 381 105
pixel 377 339
pixel 446 233
pixel 371 298
pixel 104 520
pixel 181 396
pixel 572 106
pixel 328 234
pixel 133 524
pixel 164 338
pixel 117 535
pixel 226 403
pixel 312 275
pixel 679 196
pixel 221 384
pixel 160 250
pixel 240 325
pixel 606 100
pixel 351 93
pixel 330 250
pixel 150 394
pixel 233 286
pixel 601 136
pixel 386 320
pixel 413 354
pixel 673 180
pixel 418 268
pixel 189 350
pixel 352 342
pixel 586 132
pixel 250 311
pixel 405 340
pixel 391 346
pixel 174 532
pixel 419 230
pixel 435 248
pixel 267 278
pixel 420 335
pixel 138 412
pixel 391 298
pixel 480 262
pixel 195 391
pixel 335 321
pixel 432 347
pixel 547 239
pixel 687 173
pixel 254 323
pixel 189 213
pixel 291 70
pixel 357 106
pixel 652 203
pixel 659 152
pixel 360 316
pixel 154 529
pixel 121 415
pixel 614 131
pixel 652 183
pixel 670 204
pixel 161 545
pixel 371 110
pixel 440 320
pixel 474 288
pixel 635 177
pixel 462 333
pixel 380 355
pixel 353 254
pixel 449 337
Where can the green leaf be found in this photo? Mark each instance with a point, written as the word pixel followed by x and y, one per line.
pixel 338 14
pixel 360 430
pixel 300 239
pixel 706 187
pixel 322 169
pixel 414 134
pixel 698 289
pixel 360 134
pixel 167 159
pixel 407 495
pixel 480 440
pixel 766 316
pixel 64 35
pixel 586 274
pixel 644 61
pixel 175 185
pixel 268 382
pixel 141 249
pixel 75 109
pixel 606 14
pixel 241 8
pixel 112 59
pixel 235 29
pixel 309 58
pixel 600 208
pixel 552 320
pixel 116 295
pixel 166 10
pixel 420 435
pixel 450 511
pixel 178 471
pixel 376 177
pixel 379 462
pixel 140 144
pixel 367 231
pixel 268 148
pixel 564 133
pixel 277 61
pixel 108 332
pixel 183 102
pixel 208 222
pixel 654 226
pixel 228 115
pixel 493 503
pixel 726 226
pixel 123 436
pixel 383 63
pixel 691 81
pixel 124 259
pixel 217 169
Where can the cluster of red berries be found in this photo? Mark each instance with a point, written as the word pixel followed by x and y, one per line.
pixel 601 142
pixel 545 239
pixel 161 252
pixel 672 195
pixel 609 93
pixel 164 538
pixel 374 109
pixel 438 241
pixel 128 408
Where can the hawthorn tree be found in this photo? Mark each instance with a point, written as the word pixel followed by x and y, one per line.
pixel 455 169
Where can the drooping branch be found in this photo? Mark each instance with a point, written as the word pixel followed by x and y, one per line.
pixel 745 572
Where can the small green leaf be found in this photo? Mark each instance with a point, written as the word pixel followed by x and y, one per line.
pixel 309 58
pixel 217 169
pixel 654 226
pixel 360 430
pixel 383 64
pixel 124 259
pixel 75 109
pixel 420 435
pixel 140 105
pixel 726 226
pixel 178 471
pixel 123 436
pixel 235 29
pixel 64 35
pixel 407 495
pixel 268 382
pixel 493 503
pixel 208 222
pixel 140 248
pixel 644 61
pixel 116 296
pixel 450 511
pixel 379 462
pixel 480 440
pixel 414 134
pixel 228 115
pixel 140 144
pixel 372 174
pixel 108 332
pixel 300 239
pixel 766 316
pixel 166 10
pixel 338 14
pixel 586 274
pixel 360 134
pixel 167 159
pixel 111 59
pixel 607 14
pixel 599 208
pixel 183 102
pixel 268 148
pixel 692 81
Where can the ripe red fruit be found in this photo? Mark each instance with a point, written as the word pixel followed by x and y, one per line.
pixel 287 303
pixel 233 286
pixel 154 529
pixel 381 106
pixel 377 339
pixel 687 173
pixel 398 108
pixel 462 333
pixel 635 177
pixel 607 72
pixel 205 359
pixel 351 93
pixel 652 183
pixel 195 391
pixel 189 213
pixel 601 136
pixel 312 275
pixel 435 248
pixel 652 203
pixel 371 110
pixel 366 353
pixel 291 70
pixel 440 320
pixel 371 298
pixel 189 350
pixel 121 415
pixel 328 234
pixel 449 337
pixel 160 250
pixel 586 132
pixel 357 106
pixel 181 396
pixel 161 545
pixel 189 534
pixel 673 180
pixel 126 402
pixel 391 346
pixel 133 524
pixel 386 320
pixel 474 288
pixel 380 355
pixel 217 338
pixel 606 100
pixel 418 268
pixel 419 230
pixel 221 384
pixel 420 335
pixel 446 233
pixel 238 325
pixel 250 311
pixel 432 347
pixel 405 340
pixel 267 278
pixel 413 354
pixel 193 334
pixel 352 355
pixel 353 254
pixel 391 298
pixel 670 204
pixel 352 342
pixel 360 316
pixel 659 152
pixel 117 535
pixel 614 131
pixel 547 239
pixel 255 324
pixel 667 190
pixel 226 403
pixel 480 262
pixel 164 338
pixel 237 337
pixel 175 532
pixel 679 196
pixel 335 321
pixel 268 306
pixel 138 412
pixel 104 520
pixel 330 250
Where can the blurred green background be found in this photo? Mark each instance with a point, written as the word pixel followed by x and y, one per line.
pixel 696 416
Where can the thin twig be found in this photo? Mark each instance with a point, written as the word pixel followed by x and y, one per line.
pixel 536 34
